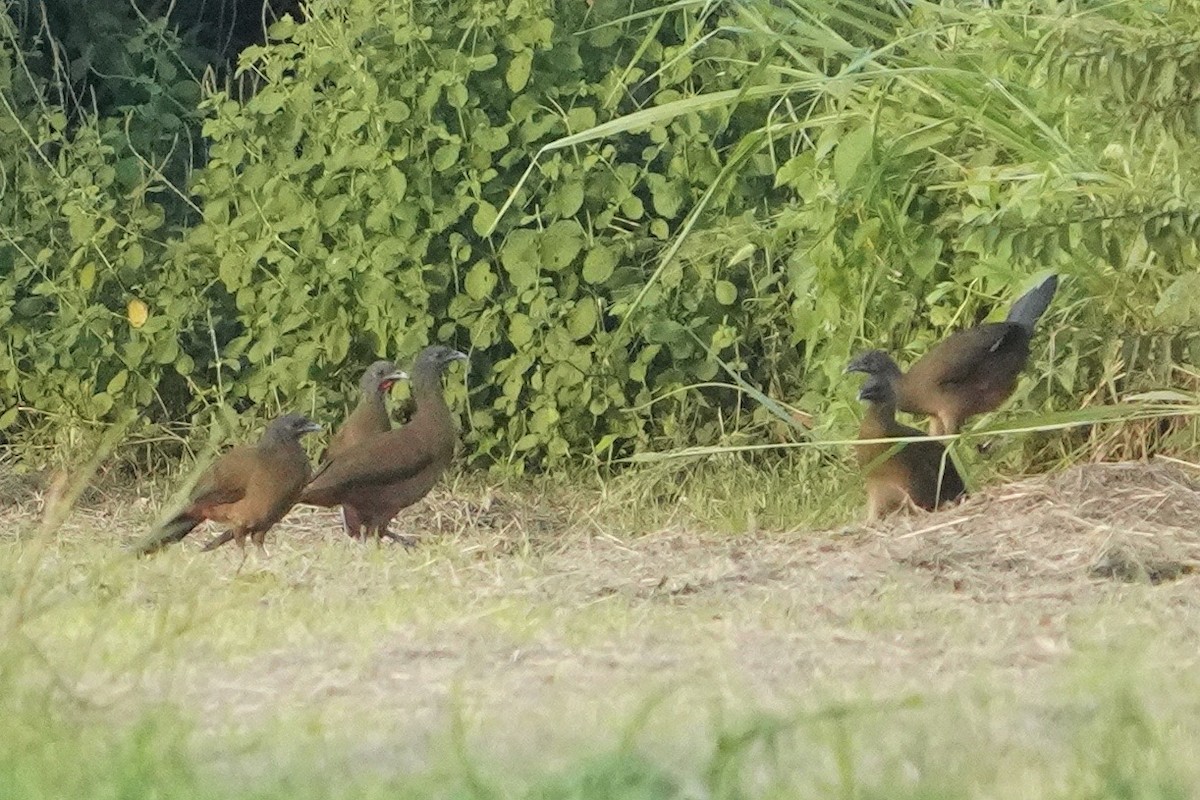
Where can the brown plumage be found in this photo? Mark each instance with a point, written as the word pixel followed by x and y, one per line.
pixel 249 488
pixel 391 471
pixel 970 372
pixel 369 418
pixel 902 473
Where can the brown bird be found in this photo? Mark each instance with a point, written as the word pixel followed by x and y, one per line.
pixel 249 488
pixel 369 418
pixel 391 471
pixel 903 473
pixel 970 372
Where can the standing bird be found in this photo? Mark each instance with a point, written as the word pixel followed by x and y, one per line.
pixel 391 471
pixel 970 372
pixel 918 473
pixel 369 418
pixel 249 488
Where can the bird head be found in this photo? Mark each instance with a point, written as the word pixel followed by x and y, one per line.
pixel 380 377
pixel 437 356
pixel 291 426
pixel 874 362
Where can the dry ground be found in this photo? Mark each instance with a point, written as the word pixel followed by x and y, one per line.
pixel 1000 626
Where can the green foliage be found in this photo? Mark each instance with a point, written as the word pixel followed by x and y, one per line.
pixel 351 209
pixel 80 227
pixel 617 209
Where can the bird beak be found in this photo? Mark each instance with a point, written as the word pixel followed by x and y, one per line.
pixel 389 380
pixel 311 427
pixel 459 356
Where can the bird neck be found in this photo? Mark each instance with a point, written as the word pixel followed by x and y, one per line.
pixel 427 391
pixel 891 370
pixel 371 404
pixel 880 419
pixel 276 443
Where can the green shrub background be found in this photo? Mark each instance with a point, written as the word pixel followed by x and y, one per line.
pixel 613 208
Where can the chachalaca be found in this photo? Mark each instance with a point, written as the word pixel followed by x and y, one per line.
pixel 970 372
pixel 249 488
pixel 901 473
pixel 369 418
pixel 391 471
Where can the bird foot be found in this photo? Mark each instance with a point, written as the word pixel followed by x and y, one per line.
pixel 409 542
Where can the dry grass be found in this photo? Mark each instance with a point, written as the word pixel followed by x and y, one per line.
pixel 1131 521
pixel 545 624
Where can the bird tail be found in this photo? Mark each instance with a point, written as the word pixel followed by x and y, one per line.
pixel 1030 306
pixel 170 532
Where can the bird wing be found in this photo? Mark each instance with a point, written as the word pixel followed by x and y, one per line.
pixel 959 356
pixel 384 459
pixel 225 481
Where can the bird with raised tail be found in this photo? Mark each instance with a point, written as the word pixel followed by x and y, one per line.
pixel 970 372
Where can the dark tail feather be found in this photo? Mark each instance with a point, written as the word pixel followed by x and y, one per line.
pixel 169 532
pixel 1030 306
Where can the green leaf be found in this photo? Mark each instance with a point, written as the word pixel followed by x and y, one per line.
pixel 395 111
pixel 582 320
pixel 480 281
pixel 331 209
pixel 135 256
pixel 561 243
pixel 79 224
pixel 397 184
pixel 1180 302
pixel 665 331
pixel 665 196
pixel 118 382
pixel 485 215
pixel 567 199
pixel 445 157
pixel 520 330
pixel 519 69
pixel 851 150
pixel 599 263
pixel 726 292
pixel 102 403
pixel 520 258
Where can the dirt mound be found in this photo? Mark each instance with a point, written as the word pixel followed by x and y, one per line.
pixel 1127 521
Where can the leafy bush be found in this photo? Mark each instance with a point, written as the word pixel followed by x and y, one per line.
pixel 82 225
pixel 349 209
pixel 610 211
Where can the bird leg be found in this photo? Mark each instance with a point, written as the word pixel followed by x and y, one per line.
pixel 240 538
pixel 260 538
pixel 352 522
pixel 217 541
pixel 382 533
